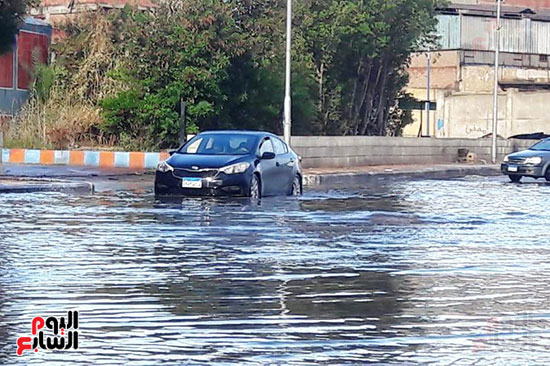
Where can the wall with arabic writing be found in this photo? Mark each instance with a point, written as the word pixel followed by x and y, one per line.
pixel 471 115
pixel 465 109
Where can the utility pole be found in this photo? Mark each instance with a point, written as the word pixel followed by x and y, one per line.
pixel 288 103
pixel 495 90
pixel 428 82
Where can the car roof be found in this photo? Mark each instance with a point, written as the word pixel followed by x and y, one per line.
pixel 243 132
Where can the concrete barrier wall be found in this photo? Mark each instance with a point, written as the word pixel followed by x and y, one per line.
pixel 350 151
pixel 316 152
pixel 104 159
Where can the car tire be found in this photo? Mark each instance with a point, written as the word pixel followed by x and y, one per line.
pixel 255 190
pixel 515 178
pixel 296 188
pixel 159 191
pixel 547 174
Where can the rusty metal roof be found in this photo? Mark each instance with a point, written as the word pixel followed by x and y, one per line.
pixel 489 10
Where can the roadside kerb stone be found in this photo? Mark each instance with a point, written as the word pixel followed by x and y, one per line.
pixel 355 178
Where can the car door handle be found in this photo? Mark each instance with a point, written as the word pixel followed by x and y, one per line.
pixel 277 164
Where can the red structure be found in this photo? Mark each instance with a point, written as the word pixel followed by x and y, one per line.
pixel 16 67
pixel 6 70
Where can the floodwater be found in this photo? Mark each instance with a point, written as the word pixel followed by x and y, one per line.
pixel 404 272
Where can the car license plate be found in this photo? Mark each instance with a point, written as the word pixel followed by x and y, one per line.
pixel 191 183
pixel 512 168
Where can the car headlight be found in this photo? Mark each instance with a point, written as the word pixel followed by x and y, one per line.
pixel 235 168
pixel 506 158
pixel 164 167
pixel 535 160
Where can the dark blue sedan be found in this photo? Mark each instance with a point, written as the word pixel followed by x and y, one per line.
pixel 246 163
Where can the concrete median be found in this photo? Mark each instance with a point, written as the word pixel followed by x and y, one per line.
pixel 365 175
pixel 29 185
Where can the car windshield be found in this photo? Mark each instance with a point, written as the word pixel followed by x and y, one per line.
pixel 541 146
pixel 220 144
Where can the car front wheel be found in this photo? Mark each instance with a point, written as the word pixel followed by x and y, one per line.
pixel 255 188
pixel 547 174
pixel 515 178
pixel 296 187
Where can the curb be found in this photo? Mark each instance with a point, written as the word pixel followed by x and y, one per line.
pixel 26 185
pixel 103 159
pixel 359 178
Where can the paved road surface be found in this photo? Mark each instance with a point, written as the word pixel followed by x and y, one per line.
pixel 405 272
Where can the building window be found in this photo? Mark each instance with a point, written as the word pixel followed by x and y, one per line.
pixel 6 70
pixel 543 58
pixel 30 46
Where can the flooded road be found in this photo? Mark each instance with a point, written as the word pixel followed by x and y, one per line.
pixel 435 271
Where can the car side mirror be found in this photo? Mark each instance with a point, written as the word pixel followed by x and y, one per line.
pixel 172 152
pixel 268 155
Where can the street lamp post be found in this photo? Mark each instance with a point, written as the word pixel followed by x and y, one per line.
pixel 495 89
pixel 288 103
pixel 428 85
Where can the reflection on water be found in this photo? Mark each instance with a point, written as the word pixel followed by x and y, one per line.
pixel 407 272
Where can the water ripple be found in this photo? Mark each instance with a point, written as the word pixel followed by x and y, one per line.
pixel 444 272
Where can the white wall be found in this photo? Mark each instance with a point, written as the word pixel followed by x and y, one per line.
pixel 467 115
pixel 351 151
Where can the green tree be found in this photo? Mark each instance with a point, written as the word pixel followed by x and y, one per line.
pixel 359 51
pixel 12 13
pixel 129 68
pixel 181 51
